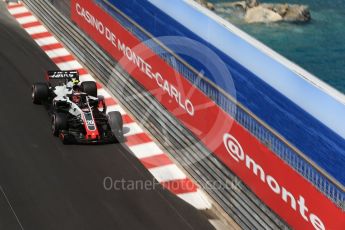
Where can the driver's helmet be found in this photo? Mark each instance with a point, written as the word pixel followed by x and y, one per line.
pixel 76 94
pixel 75 81
pixel 76 89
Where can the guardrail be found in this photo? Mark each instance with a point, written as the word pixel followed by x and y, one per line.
pixel 232 195
pixel 325 183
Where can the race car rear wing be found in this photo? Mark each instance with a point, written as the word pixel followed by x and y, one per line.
pixel 66 75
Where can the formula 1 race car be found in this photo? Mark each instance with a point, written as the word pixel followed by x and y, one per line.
pixel 77 114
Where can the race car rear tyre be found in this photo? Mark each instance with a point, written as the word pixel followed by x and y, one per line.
pixel 59 123
pixel 89 87
pixel 116 125
pixel 40 93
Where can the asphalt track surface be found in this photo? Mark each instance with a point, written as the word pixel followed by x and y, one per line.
pixel 46 185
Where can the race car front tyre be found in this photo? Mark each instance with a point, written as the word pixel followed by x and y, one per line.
pixel 59 123
pixel 116 125
pixel 40 93
pixel 66 139
pixel 89 87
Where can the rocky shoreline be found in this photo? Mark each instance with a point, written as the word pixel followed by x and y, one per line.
pixel 256 12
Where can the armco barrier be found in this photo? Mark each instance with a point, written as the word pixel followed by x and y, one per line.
pixel 269 178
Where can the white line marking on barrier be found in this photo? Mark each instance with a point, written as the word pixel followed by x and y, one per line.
pixel 46 41
pixel 70 65
pixel 167 173
pixel 146 150
pixel 26 19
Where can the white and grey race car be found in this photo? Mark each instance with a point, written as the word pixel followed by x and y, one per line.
pixel 78 115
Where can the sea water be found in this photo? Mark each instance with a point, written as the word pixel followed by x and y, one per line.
pixel 317 46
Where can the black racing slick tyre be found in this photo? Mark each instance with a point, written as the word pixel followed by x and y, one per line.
pixel 59 123
pixel 115 119
pixel 89 87
pixel 39 93
pixel 65 139
pixel 116 125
